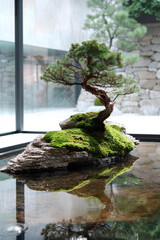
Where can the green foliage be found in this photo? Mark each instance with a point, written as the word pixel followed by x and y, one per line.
pixel 118 128
pixel 82 60
pixel 152 7
pixel 101 144
pixel 97 102
pixel 130 60
pixel 79 116
pixel 91 61
pixel 110 22
pixel 91 123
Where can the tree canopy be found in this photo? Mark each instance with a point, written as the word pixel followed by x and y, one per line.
pixel 111 23
pixel 92 65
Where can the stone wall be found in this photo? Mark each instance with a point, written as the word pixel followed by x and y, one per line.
pixel 147 73
pixel 7 82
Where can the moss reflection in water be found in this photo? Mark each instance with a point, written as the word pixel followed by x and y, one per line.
pixel 73 180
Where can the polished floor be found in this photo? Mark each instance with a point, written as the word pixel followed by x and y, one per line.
pixel 119 202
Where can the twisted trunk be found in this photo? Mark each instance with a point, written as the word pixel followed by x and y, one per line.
pixel 104 99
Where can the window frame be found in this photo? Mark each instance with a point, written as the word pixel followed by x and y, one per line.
pixel 19 91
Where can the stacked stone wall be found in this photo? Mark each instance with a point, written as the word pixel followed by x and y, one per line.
pixel 147 73
pixel 7 82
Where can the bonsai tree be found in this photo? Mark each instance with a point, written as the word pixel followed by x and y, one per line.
pixel 111 23
pixel 92 66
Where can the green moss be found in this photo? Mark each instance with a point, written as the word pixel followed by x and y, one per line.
pixel 118 128
pixel 88 121
pixel 108 174
pixel 91 124
pixel 101 144
pixel 79 116
pixel 78 186
pixel 111 174
pixel 97 102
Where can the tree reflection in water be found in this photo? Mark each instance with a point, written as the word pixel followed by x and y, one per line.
pixel 134 217
pixel 77 231
pixel 140 229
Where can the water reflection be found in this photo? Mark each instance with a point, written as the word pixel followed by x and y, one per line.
pixel 20 209
pixel 69 181
pixel 20 198
pixel 82 184
pixel 142 230
pixel 118 202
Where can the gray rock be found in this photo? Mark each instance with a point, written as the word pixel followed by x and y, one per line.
pixel 146 38
pixel 153 64
pixel 155 48
pixel 154 94
pixel 66 124
pixel 145 43
pixel 146 48
pixel 142 69
pixel 147 75
pixel 149 102
pixel 131 109
pixel 41 156
pixel 134 97
pixel 155 40
pixel 129 104
pixel 147 54
pixel 156 57
pixel 149 110
pixel 152 70
pixel 157 87
pixel 147 84
pixel 158 74
pixel 143 62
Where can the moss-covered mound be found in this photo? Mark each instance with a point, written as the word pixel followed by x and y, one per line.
pixel 101 144
pixel 88 121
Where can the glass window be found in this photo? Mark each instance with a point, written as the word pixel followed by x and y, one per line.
pixel 7 67
pixel 49 29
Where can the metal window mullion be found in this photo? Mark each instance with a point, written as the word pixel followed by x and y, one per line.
pixel 19 64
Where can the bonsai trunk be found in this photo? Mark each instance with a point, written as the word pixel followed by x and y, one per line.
pixel 104 99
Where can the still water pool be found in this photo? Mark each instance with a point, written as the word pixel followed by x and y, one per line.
pixel 120 202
